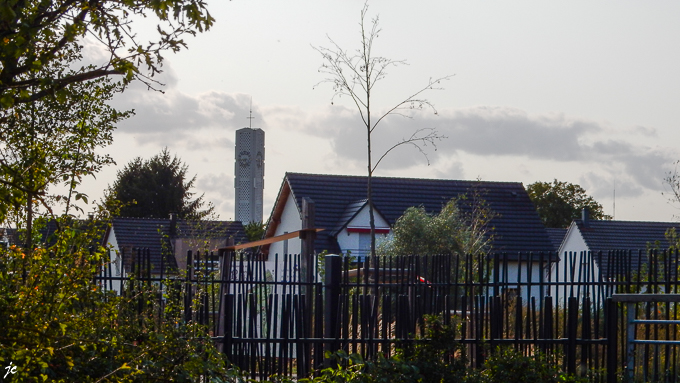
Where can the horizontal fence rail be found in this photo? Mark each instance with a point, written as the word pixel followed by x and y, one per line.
pixel 269 317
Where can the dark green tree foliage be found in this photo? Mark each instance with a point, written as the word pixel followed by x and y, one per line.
pixel 558 203
pixel 155 188
pixel 37 33
pixel 254 231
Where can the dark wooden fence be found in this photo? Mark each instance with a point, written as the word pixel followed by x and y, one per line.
pixel 269 319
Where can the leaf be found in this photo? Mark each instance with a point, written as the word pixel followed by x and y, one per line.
pixel 6 101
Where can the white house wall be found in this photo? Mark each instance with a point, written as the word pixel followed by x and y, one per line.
pixel 575 267
pixel 116 264
pixel 290 222
pixel 522 278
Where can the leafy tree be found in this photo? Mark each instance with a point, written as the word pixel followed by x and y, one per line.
pixel 254 231
pixel 449 232
pixel 38 33
pixel 558 203
pixel 54 140
pixel 155 188
pixel 59 326
pixel 355 74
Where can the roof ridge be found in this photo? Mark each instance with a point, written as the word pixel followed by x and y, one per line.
pixel 402 178
pixel 168 219
pixel 676 224
pixel 143 218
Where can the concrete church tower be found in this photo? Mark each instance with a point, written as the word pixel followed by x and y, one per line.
pixel 249 175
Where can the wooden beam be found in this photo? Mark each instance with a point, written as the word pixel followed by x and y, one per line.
pixel 268 241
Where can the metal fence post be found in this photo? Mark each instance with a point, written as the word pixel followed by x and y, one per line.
pixel 611 326
pixel 572 327
pixel 188 290
pixel 333 277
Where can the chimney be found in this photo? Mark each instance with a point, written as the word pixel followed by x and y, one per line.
pixel 585 217
pixel 173 225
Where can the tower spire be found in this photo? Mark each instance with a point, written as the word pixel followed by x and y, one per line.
pixel 250 118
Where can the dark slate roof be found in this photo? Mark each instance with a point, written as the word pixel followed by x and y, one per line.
pixel 556 236
pixel 624 235
pixel 620 246
pixel 516 227
pixel 212 229
pixel 350 212
pixel 154 234
pixel 140 233
pixel 47 230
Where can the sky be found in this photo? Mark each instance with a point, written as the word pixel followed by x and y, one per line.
pixel 585 92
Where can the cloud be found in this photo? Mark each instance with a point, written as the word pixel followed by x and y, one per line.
pixel 175 112
pixel 218 189
pixel 488 132
pixel 208 120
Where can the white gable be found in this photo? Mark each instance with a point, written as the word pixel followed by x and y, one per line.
pixel 575 264
pixel 355 237
pixel 290 222
pixel 115 266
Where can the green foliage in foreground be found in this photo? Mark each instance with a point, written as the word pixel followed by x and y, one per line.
pixel 438 358
pixel 59 326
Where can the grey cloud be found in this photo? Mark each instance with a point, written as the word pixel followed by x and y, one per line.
pixel 221 183
pixel 508 131
pixel 219 189
pixel 602 186
pixel 496 131
pixel 176 112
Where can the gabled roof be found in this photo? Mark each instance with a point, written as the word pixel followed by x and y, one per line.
pixel 141 233
pixel 516 227
pixel 48 228
pixel 624 235
pixel 155 234
pixel 351 211
pixel 623 244
pixel 556 235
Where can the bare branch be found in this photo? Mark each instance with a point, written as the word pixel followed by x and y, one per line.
pixel 416 141
pixel 356 75
pixel 413 102
pixel 672 179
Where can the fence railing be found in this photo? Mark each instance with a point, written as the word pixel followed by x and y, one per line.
pixel 269 319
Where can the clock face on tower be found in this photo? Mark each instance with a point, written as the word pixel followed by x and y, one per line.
pixel 244 159
pixel 258 160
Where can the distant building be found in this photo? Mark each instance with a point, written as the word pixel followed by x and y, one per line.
pixel 249 175
pixel 600 250
pixel 516 231
pixel 342 210
pixel 167 240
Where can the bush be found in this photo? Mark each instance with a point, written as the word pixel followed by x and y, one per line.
pixel 58 326
pixel 509 366
pixel 439 358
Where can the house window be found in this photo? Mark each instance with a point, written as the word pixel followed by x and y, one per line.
pixel 364 247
